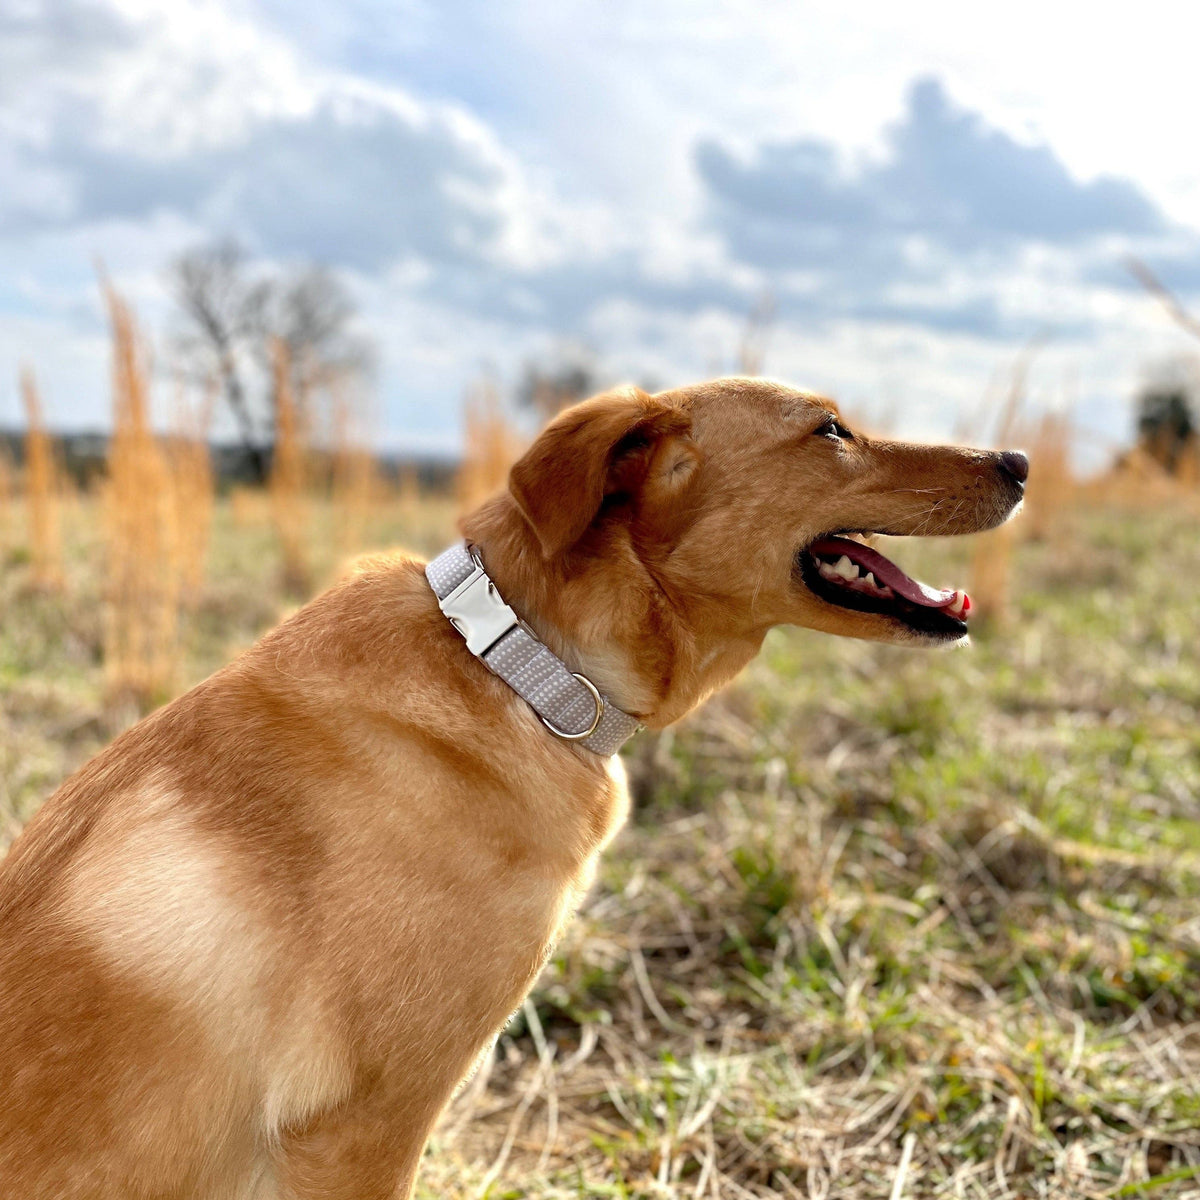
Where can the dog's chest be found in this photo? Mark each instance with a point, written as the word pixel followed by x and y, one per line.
pixel 510 910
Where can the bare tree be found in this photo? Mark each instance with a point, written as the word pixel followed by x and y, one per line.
pixel 312 313
pixel 220 305
pixel 548 390
pixel 231 313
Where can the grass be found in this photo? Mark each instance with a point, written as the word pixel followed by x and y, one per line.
pixel 144 548
pixel 41 485
pixel 884 924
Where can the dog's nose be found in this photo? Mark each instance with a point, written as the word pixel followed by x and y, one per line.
pixel 1016 464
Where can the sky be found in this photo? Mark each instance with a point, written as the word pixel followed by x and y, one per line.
pixel 923 189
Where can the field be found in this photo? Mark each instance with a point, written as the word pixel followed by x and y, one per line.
pixel 885 923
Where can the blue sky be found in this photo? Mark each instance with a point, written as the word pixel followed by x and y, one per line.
pixel 923 189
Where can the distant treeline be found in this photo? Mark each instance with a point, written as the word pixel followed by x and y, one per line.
pixel 84 456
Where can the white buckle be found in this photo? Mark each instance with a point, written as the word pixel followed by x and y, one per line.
pixel 476 610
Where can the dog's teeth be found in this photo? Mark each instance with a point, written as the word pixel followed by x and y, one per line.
pixel 869 578
pixel 956 606
pixel 845 568
pixel 827 571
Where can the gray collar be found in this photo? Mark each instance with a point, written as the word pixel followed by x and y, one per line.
pixel 568 703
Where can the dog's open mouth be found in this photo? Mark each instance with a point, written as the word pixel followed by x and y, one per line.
pixel 848 573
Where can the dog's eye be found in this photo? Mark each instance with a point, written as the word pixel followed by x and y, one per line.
pixel 833 428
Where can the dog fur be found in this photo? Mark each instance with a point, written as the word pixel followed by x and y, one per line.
pixel 250 949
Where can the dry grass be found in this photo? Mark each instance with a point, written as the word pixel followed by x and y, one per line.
pixel 192 489
pixel 752 350
pixel 1187 469
pixel 884 924
pixel 1049 499
pixel 355 484
pixel 8 498
pixel 41 492
pixel 408 491
pixel 249 506
pixel 1050 493
pixel 145 558
pixel 889 924
pixel 490 446
pixel 288 485
pixel 991 576
pixel 1138 481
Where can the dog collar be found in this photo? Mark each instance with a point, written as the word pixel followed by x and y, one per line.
pixel 569 704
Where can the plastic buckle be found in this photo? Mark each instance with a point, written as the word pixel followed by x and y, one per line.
pixel 476 610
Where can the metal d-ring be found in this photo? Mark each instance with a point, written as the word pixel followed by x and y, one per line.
pixel 587 733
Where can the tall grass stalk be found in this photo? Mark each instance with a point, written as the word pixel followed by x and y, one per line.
pixel 490 446
pixel 1051 488
pixel 408 491
pixel 1138 480
pixel 141 628
pixel 355 476
pixel 1187 467
pixel 8 495
pixel 991 560
pixel 41 492
pixel 192 489
pixel 288 477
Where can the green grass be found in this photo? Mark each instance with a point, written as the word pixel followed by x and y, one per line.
pixel 868 895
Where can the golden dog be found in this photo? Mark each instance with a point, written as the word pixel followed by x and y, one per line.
pixel 251 948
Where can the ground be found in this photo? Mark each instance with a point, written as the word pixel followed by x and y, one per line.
pixel 885 922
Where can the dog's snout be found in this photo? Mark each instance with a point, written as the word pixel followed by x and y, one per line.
pixel 1016 464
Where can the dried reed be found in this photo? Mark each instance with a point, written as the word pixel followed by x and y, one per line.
pixel 41 492
pixel 192 489
pixel 288 478
pixel 355 481
pixel 491 445
pixel 1051 488
pixel 991 575
pixel 752 352
pixel 408 491
pixel 141 633
pixel 991 562
pixel 1138 480
pixel 248 506
pixel 8 494
pixel 1187 466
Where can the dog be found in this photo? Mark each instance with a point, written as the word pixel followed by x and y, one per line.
pixel 251 948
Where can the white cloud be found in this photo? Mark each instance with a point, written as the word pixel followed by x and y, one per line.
pixel 500 178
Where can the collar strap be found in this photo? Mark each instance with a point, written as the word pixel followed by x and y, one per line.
pixel 569 704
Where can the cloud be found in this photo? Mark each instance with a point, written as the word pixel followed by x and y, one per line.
pixel 493 224
pixel 353 183
pixel 932 232
pixel 218 125
pixel 948 180
pixel 301 163
pixel 207 117
pixel 45 40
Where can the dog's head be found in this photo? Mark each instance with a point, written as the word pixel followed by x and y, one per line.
pixel 678 528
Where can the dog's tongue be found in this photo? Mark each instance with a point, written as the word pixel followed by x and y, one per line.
pixel 884 570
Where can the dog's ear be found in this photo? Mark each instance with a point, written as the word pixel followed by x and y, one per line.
pixel 623 444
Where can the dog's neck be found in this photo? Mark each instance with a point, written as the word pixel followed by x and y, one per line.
pixel 609 619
